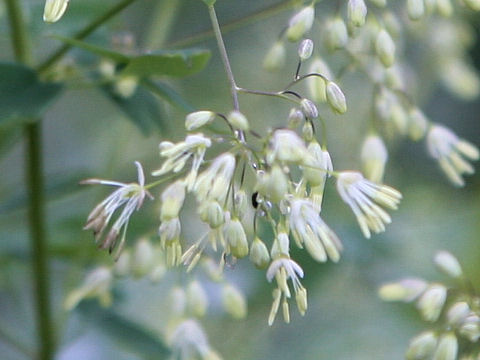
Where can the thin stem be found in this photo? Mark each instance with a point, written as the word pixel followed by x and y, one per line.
pixel 164 15
pixel 281 94
pixel 82 34
pixel 34 175
pixel 224 55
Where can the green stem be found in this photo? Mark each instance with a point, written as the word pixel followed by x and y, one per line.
pixel 34 174
pixel 82 34
pixel 164 15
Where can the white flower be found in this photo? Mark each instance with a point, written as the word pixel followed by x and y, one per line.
pixel 131 195
pixel 288 269
pixel 308 228
pixel 450 151
pixel 96 284
pixel 54 10
pixel 287 146
pixel 364 198
pixel 374 157
pixel 178 154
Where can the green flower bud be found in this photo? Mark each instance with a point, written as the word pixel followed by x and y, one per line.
pixel 234 302
pixel 336 98
pixel 307 131
pixel 385 48
pixel 241 204
pixel 422 346
pixel 418 124
pixel 126 86
pixel 415 9
pixel 447 347
pixel 238 120
pixel 172 200
pixel 305 49
pixel 259 254
pixel 336 34
pixel 392 24
pixel 431 302
pixel 212 213
pixel 309 109
pixel 374 157
pixel 357 12
pixel 300 23
pixel 448 264
pixel 317 85
pixel 457 313
pixel 198 119
pixel 143 258
pixel 54 10
pixel 197 301
pixel 471 328
pixel 445 8
pixel 236 238
pixel 275 58
pixel 295 118
pixel 404 290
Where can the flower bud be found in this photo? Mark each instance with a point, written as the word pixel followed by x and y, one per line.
pixel 309 109
pixel 197 300
pixel 316 84
pixel 336 34
pixel 212 213
pixel 404 290
pixel 399 118
pixel 473 4
pixel 307 131
pixel 238 120
pixel 448 264
pixel 374 156
pixel 336 98
pixel 278 186
pixel 457 313
pixel 198 119
pixel 385 48
pixel 460 78
pixel 281 245
pixel 418 124
pixel 421 346
pixel 295 118
pixel 236 238
pixel 54 10
pixel 431 302
pixel 447 347
pixel 415 9
pixel 169 231
pixel 305 49
pixel 259 254
pixel 106 68
pixel 234 302
pixel 357 12
pixel 125 86
pixel 143 258
pixel 320 165
pixel 241 204
pixel 96 284
pixel 172 200
pixel 275 58
pixel 177 300
pixel 300 24
pixel 471 328
pixel 444 8
pixel 123 264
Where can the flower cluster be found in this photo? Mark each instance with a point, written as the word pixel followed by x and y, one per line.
pixel 453 309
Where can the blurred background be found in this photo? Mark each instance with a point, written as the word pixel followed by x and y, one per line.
pixel 87 135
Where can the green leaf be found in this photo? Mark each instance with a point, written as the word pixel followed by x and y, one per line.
pixel 175 63
pixel 94 49
pixel 141 108
pixel 168 94
pixel 22 95
pixel 128 334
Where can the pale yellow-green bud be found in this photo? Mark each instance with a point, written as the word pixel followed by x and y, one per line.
pixel 125 86
pixel 241 204
pixel 316 171
pixel 305 49
pixel 460 78
pixel 307 131
pixel 471 328
pixel 106 68
pixel 309 109
pixel 236 238
pixel 444 8
pixel 238 120
pixel 177 300
pixel 172 200
pixel 421 346
pixel 415 9
pixel 197 300
pixel 448 264
pixel 404 290
pixel 399 118
pixel 392 24
pixel 281 245
pixel 316 84
pixel 473 4
pixel 430 304
pixel 336 34
pixel 198 119
pixel 447 347
pixel 301 299
pixel 234 302
pixel 374 157
pixel 212 213
pixel 275 58
pixel 295 118
pixel 357 12
pixel 122 266
pixel 336 98
pixel 418 124
pixel 300 23
pixel 54 10
pixel 143 258
pixel 457 313
pixel 278 184
pixel 259 254
pixel 385 48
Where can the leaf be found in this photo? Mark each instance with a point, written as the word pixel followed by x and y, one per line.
pixel 175 63
pixel 128 334
pixel 168 94
pixel 22 95
pixel 141 108
pixel 94 49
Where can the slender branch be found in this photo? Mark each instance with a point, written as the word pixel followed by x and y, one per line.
pixel 20 44
pixel 224 55
pixel 164 15
pixel 82 34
